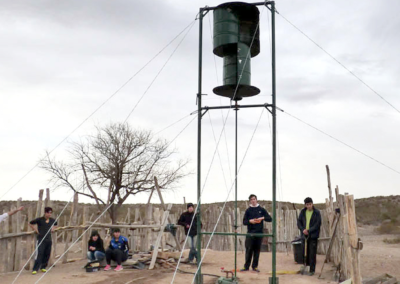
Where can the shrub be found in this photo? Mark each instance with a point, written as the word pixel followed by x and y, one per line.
pixel 392 241
pixel 388 228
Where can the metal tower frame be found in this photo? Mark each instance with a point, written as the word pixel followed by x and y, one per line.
pixel 203 11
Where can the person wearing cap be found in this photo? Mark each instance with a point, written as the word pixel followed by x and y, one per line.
pixel 254 219
pixel 185 220
pixel 10 213
pixel 309 224
pixel 117 251
pixel 95 247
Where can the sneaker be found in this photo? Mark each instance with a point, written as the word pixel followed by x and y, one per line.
pixel 256 269
pixel 108 267
pixel 43 270
pixel 244 269
pixel 34 272
pixel 118 268
pixel 311 273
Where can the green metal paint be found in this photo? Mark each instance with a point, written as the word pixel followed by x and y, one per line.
pixel 223 280
pixel 235 30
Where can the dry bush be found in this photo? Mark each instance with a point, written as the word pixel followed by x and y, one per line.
pixel 392 241
pixel 388 228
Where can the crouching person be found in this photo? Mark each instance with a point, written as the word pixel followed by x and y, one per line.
pixel 95 247
pixel 117 251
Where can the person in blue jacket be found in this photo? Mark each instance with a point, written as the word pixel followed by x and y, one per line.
pixel 117 251
pixel 254 219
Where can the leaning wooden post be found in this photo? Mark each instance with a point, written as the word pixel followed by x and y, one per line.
pixel 178 246
pixel 73 217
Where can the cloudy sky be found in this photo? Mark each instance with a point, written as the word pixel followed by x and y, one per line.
pixel 60 60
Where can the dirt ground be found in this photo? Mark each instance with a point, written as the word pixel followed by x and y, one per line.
pixel 376 258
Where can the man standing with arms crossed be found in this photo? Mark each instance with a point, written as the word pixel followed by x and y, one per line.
pixel 309 224
pixel 253 218
pixel 43 225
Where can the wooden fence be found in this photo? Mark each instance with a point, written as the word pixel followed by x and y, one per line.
pixel 18 241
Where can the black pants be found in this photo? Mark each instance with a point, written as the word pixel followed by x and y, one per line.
pixel 311 260
pixel 43 254
pixel 253 247
pixel 117 255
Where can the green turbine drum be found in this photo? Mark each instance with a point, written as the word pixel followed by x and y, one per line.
pixel 235 30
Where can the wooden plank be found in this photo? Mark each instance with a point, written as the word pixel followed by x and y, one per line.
pixel 330 246
pixel 11 255
pixel 74 216
pixel 157 243
pixel 47 201
pixel 85 237
pixel 3 256
pixel 178 246
pixel 39 205
pixel 353 240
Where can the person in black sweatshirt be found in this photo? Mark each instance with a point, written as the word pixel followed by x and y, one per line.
pixel 309 224
pixel 253 218
pixel 95 247
pixel 185 220
pixel 43 226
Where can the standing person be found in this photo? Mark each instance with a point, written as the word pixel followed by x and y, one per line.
pixel 253 218
pixel 95 247
pixel 185 220
pixel 10 213
pixel 43 225
pixel 117 251
pixel 309 224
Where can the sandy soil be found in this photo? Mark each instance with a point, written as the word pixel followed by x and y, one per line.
pixel 376 258
pixel 73 272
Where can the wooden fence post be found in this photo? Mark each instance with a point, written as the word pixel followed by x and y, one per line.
pixel 86 235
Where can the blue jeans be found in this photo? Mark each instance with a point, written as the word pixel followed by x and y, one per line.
pixel 95 255
pixel 192 245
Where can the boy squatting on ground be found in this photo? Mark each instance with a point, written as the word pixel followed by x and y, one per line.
pixel 43 225
pixel 254 217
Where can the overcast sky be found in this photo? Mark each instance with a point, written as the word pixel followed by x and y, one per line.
pixel 60 60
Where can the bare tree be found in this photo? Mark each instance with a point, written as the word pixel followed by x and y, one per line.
pixel 114 164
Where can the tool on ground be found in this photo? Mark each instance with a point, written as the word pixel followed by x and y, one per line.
pixel 303 270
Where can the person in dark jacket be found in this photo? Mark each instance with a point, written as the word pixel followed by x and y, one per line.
pixel 95 247
pixel 44 227
pixel 117 251
pixel 185 220
pixel 254 219
pixel 309 224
